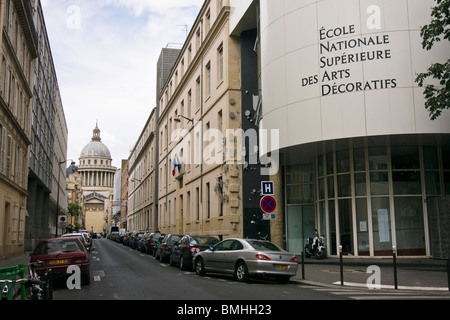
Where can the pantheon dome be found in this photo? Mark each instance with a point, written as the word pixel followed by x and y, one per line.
pixel 96 148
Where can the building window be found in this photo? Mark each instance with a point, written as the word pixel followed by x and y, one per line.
pixel 208 79
pixel 220 63
pixel 197 203
pixel 198 93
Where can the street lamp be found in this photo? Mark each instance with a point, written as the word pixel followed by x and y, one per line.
pixel 57 194
pixel 180 116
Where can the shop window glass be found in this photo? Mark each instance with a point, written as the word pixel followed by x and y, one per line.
pixel 320 165
pixel 446 158
pixel 344 185
pixel 377 158
pixel 299 174
pixel 332 221
pixel 300 193
pixel 323 220
pixel 379 184
pixel 406 182
pixel 430 158
pixel 409 226
pixel 381 225
pixel 300 184
pixel 330 186
pixel 321 189
pixel 360 184
pixel 447 182
pixel 343 161
pixel 359 159
pixel 346 226
pixel 330 165
pixel 432 184
pixel 362 225
pixel 405 157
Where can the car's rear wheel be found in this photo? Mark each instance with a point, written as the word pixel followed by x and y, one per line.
pixel 182 263
pixel 200 267
pixel 241 272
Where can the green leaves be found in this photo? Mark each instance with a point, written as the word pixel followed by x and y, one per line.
pixel 437 97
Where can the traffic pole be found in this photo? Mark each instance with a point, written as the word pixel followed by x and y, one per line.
pixel 448 272
pixel 303 264
pixel 341 265
pixel 394 258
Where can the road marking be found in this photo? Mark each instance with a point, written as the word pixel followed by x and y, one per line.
pixel 388 297
pixel 97 278
pixel 353 284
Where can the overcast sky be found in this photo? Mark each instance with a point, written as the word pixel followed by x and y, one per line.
pixel 105 54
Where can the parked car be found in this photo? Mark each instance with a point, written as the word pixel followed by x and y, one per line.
pixel 245 258
pixel 60 253
pixel 87 236
pixel 158 241
pixel 133 242
pixel 149 241
pixel 126 238
pixel 83 238
pixel 184 250
pixel 165 246
pixel 141 245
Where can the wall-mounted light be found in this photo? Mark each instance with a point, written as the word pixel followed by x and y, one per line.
pixel 180 116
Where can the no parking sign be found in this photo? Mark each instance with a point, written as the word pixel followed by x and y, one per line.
pixel 268 204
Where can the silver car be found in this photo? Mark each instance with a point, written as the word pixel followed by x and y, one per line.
pixel 245 258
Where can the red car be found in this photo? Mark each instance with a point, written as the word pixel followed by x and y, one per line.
pixel 60 253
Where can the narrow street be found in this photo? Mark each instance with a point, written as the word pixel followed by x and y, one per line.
pixel 121 273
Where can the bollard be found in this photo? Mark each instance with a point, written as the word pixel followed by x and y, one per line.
pixel 341 265
pixel 394 258
pixel 448 272
pixel 303 265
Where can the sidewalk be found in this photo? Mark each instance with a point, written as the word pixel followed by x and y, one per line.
pixel 412 273
pixel 21 259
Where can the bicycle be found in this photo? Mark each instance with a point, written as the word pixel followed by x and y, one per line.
pixel 16 287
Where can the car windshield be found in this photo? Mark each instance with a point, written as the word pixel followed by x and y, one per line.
pixel 263 245
pixel 203 240
pixel 174 238
pixel 156 235
pixel 58 246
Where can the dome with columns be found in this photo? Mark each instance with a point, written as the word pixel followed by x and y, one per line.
pixel 96 148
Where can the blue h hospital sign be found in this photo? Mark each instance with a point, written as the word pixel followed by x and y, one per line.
pixel 267 187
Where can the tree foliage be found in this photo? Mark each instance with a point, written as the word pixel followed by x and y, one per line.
pixel 74 210
pixel 437 96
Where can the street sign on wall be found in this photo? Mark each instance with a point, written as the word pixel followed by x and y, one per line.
pixel 268 204
pixel 267 188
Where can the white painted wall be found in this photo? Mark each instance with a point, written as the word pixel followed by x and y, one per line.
pixel 293 51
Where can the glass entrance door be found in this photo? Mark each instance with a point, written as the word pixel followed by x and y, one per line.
pixel 300 225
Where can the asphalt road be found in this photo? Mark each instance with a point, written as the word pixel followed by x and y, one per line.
pixel 120 273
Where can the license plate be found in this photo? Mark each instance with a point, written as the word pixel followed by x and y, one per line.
pixel 280 266
pixel 59 261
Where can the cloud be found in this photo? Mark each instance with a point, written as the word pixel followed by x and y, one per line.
pixel 105 54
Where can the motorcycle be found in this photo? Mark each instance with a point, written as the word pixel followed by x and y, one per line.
pixel 315 246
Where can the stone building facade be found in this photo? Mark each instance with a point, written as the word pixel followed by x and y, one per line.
pixel 203 171
pixel 141 204
pixel 97 184
pixel 18 53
